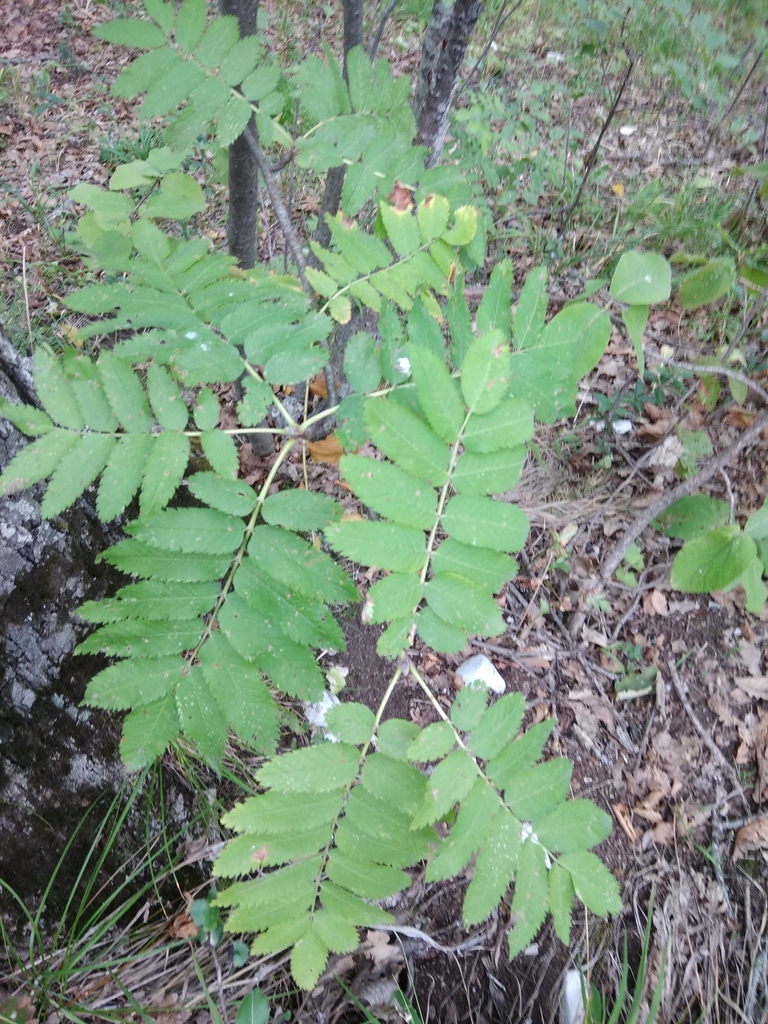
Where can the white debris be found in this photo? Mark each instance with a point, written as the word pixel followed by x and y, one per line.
pixel 572 1000
pixel 628 129
pixel 478 671
pixel 316 713
pixel 403 365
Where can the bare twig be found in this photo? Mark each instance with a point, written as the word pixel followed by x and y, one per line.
pixel 716 370
pixel 26 296
pixel 704 736
pixel 498 24
pixel 757 307
pixel 589 163
pixel 281 211
pixel 374 45
pixel 734 101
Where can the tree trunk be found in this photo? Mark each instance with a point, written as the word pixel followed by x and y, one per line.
pixel 334 182
pixel 56 757
pixel 243 172
pixel 442 55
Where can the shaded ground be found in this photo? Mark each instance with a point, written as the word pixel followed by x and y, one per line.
pixel 680 769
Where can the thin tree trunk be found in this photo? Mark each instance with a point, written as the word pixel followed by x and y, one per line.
pixel 442 55
pixel 334 182
pixel 243 172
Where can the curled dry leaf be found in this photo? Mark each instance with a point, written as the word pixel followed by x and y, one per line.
pixel 753 686
pixel 327 450
pixel 749 838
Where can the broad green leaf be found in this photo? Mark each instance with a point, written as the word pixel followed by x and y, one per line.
pixel 494 868
pixel 165 399
pixel 635 319
pixel 495 308
pixel 164 468
pixel 275 813
pixel 160 12
pixel 133 683
pixel 578 334
pixel 125 393
pixel 456 600
pixel 448 784
pixel 561 897
pixel 145 235
pixel 233 496
pixel 241 693
pixel 221 451
pixel 261 82
pixel 201 721
pixel 393 597
pixel 26 418
pixel 595 886
pixel 396 783
pixel 147 732
pixel 482 522
pixel 485 372
pixel 577 825
pixel 254 1008
pixel 476 816
pixel 755 589
pixel 389 491
pixel 493 473
pixel 219 39
pixel 300 510
pixel 300 565
pixel 692 516
pixel 510 424
pixel 437 393
pixel 385 545
pixel 459 322
pixel 499 726
pixel 76 471
pixel 351 723
pixel 440 635
pixel 141 35
pixel 395 737
pixel 171 89
pixel 256 850
pixel 242 59
pixel 137 559
pixel 180 195
pixel 264 893
pixel 371 881
pixel 206 410
pixel 303 620
pixel 402 228
pixel 532 792
pixel 395 638
pixel 37 460
pixel 123 475
pixel 486 568
pixel 55 390
pixel 201 530
pixel 344 905
pixel 708 283
pixel 757 524
pixel 330 766
pixel 253 408
pixel 712 561
pixel 153 599
pixel 142 638
pixel 464 226
pixel 432 215
pixel 143 72
pixel 531 899
pixel 407 440
pixel 641 278
pixel 335 933
pixel 364 252
pixel 433 742
pixel 469 706
pixel 531 309
pixel 361 363
pixel 520 754
pixel 317 89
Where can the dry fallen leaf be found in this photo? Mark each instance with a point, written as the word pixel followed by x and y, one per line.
pixel 752 657
pixel 753 686
pixel 319 387
pixel 753 836
pixel 621 811
pixel 327 450
pixel 182 926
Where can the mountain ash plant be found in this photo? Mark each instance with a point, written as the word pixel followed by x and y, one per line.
pixel 234 588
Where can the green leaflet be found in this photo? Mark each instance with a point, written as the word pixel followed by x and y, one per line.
pixel 498 727
pixel 535 791
pixel 76 471
pixel 495 308
pixel 37 461
pixel 123 475
pixel 132 684
pixel 492 473
pixel 26 418
pixel 125 394
pixel 449 783
pixel 234 496
pixel 147 732
pixel 577 825
pixel 152 599
pixel 561 896
pixel 163 470
pixel 531 899
pixel 201 720
pixel 85 379
pixel 481 522
pixel 494 868
pixel 485 372
pixel 55 390
pixel 385 545
pixel 476 817
pixel 594 884
pixel 165 399
pixel 531 310
pixel 458 602
pixel 407 440
pixel 393 597
pixel 486 568
pixel 195 530
pixel 142 638
pixel 300 510
pixel 437 393
pixel 390 491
